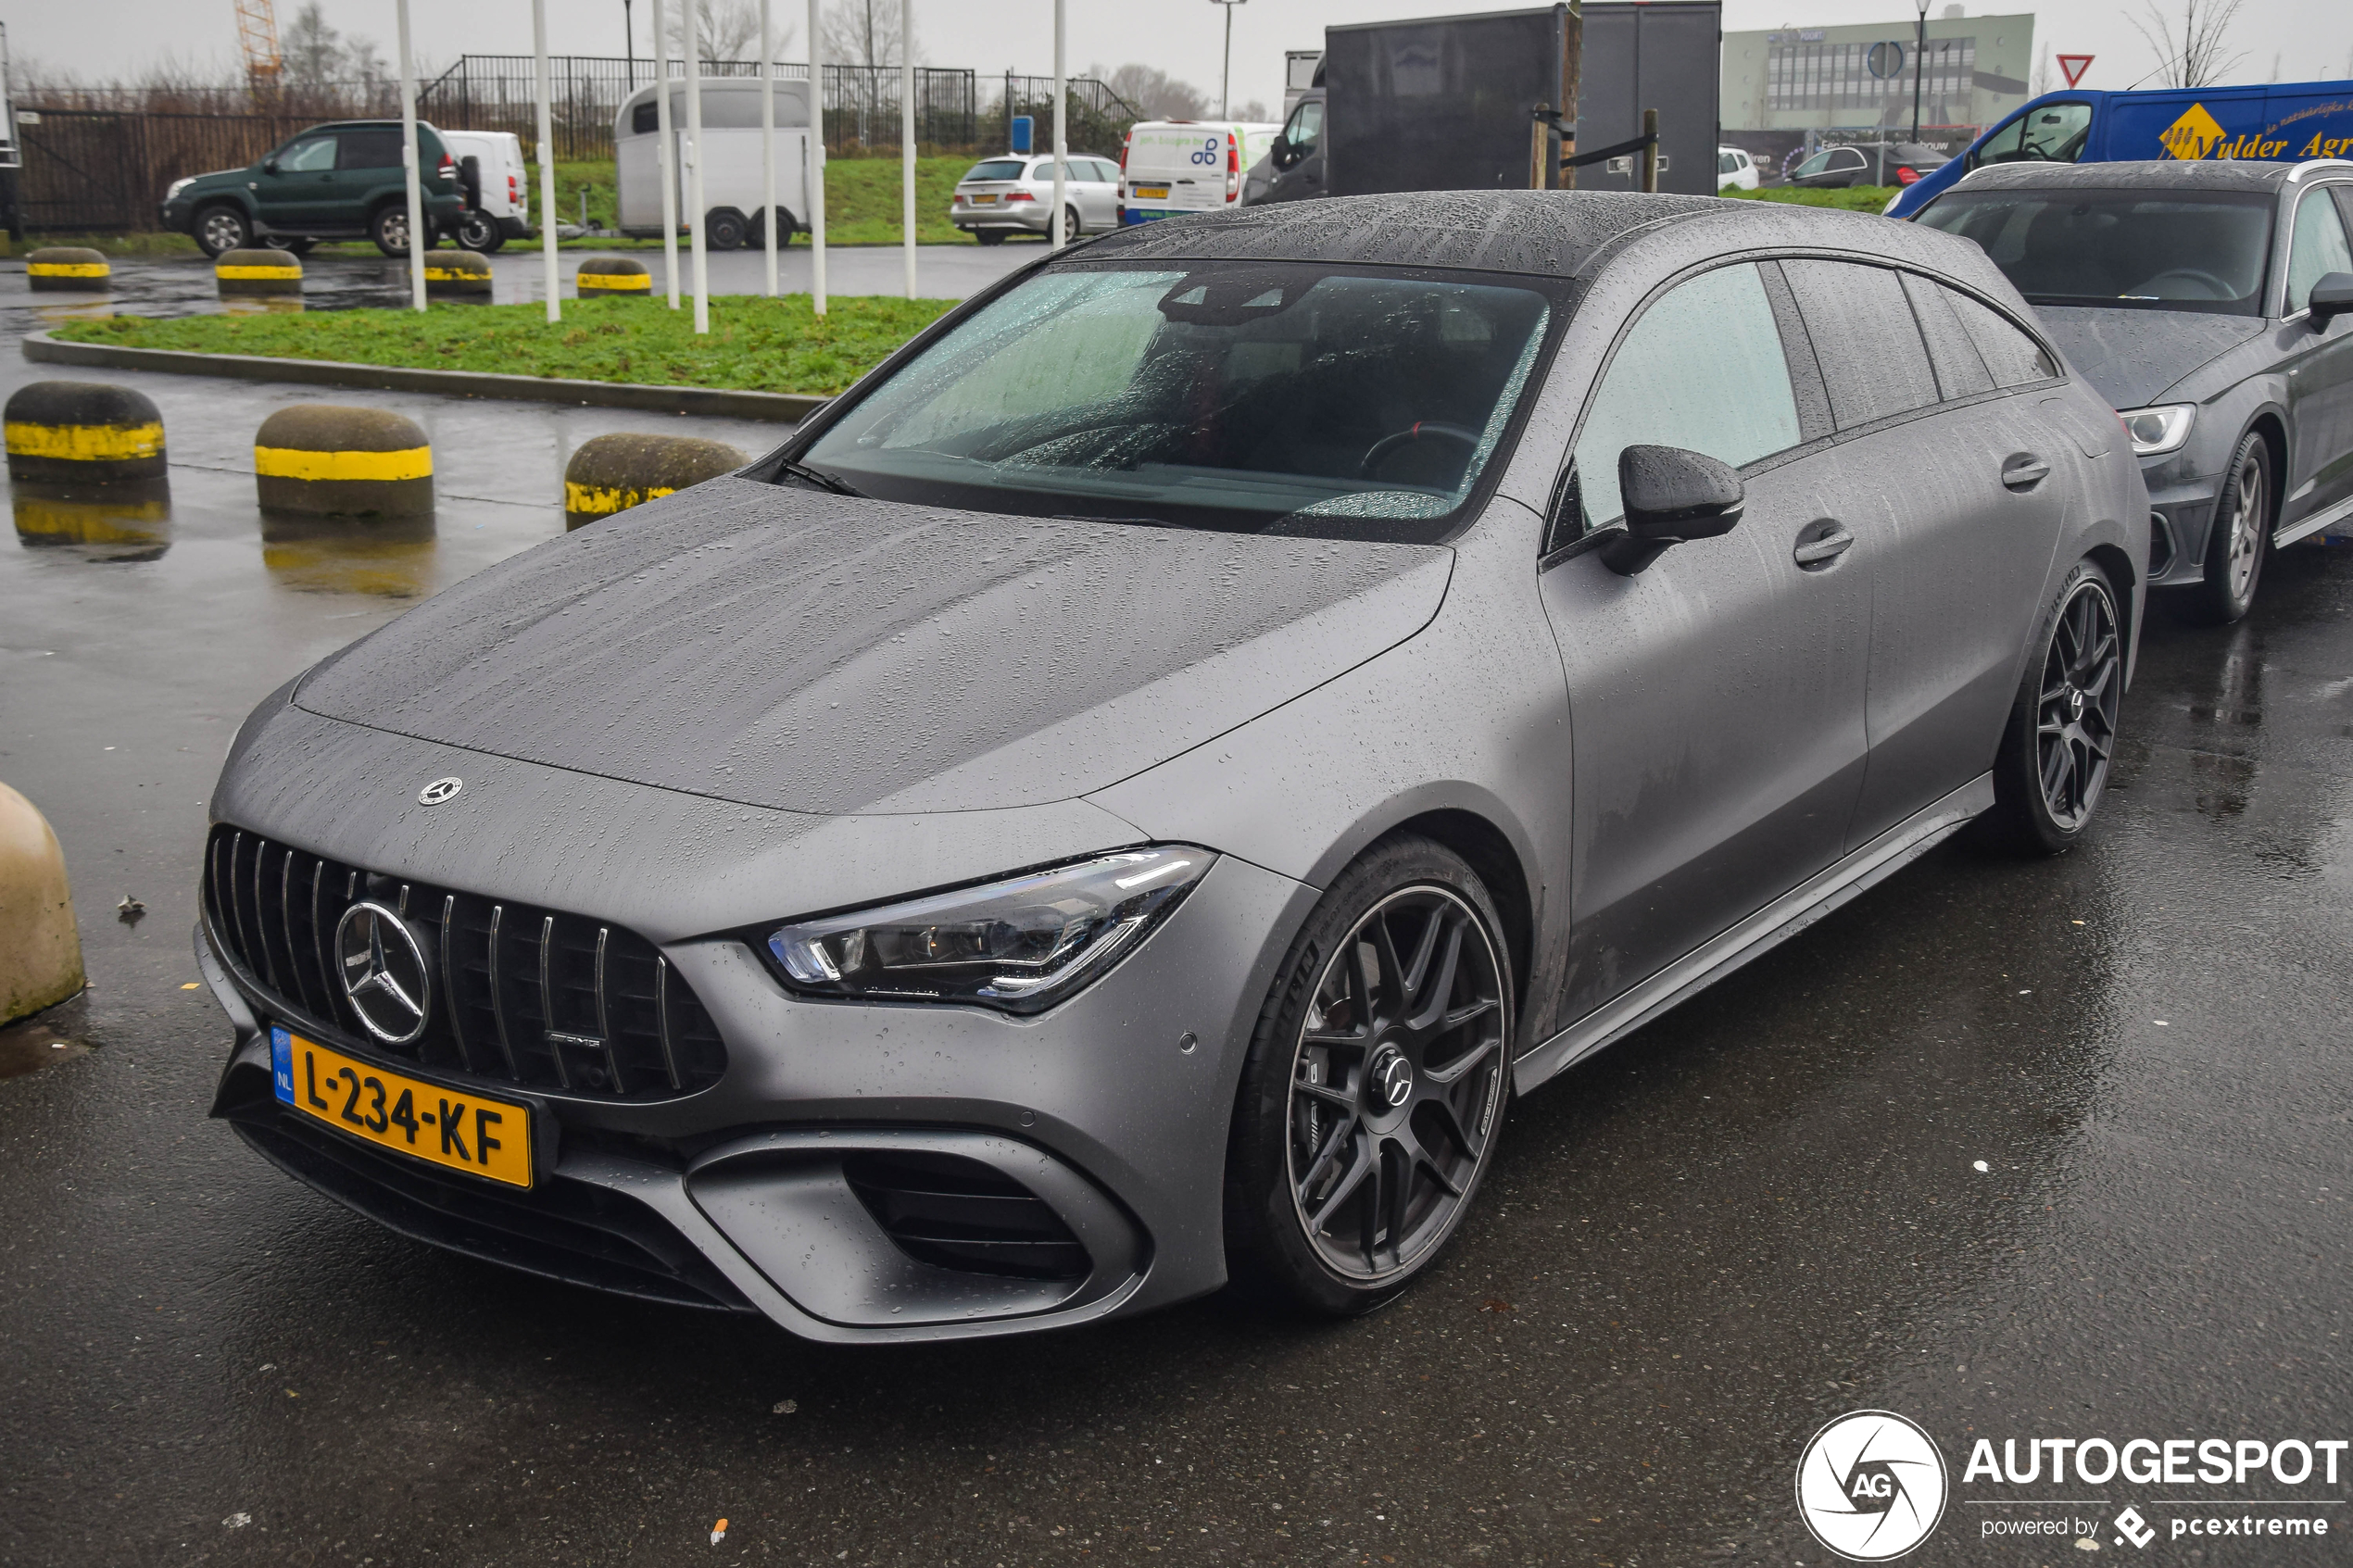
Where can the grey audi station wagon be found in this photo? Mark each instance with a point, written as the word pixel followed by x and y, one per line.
pixel 1119 802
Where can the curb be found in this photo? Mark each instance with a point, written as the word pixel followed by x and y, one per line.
pixel 779 408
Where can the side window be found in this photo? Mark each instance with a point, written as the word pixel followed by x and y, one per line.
pixel 1306 125
pixel 1702 369
pixel 2318 249
pixel 308 157
pixel 1960 371
pixel 646 118
pixel 370 149
pixel 2054 134
pixel 1869 347
pixel 2012 358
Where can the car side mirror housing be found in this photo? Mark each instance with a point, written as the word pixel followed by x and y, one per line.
pixel 270 165
pixel 1672 496
pixel 2332 296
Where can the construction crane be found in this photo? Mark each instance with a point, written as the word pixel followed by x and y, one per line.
pixel 257 32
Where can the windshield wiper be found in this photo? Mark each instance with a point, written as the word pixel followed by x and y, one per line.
pixel 808 475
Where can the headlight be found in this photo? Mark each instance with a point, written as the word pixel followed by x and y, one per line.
pixel 178 185
pixel 2158 430
pixel 1020 946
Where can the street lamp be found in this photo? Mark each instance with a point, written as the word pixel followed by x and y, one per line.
pixel 1920 63
pixel 1225 80
pixel 629 42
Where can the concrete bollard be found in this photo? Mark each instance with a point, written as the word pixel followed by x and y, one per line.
pixel 67 269
pixel 321 459
pixel 613 473
pixel 604 276
pixel 241 274
pixel 40 948
pixel 82 433
pixel 457 272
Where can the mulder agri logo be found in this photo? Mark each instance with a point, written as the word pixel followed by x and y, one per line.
pixel 1870 1485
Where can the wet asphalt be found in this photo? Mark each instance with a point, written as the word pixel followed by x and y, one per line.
pixel 2014 1149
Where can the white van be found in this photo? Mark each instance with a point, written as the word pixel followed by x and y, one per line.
pixel 731 164
pixel 497 190
pixel 1172 166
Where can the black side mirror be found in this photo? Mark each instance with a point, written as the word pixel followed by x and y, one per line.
pixel 2332 296
pixel 270 165
pixel 1671 497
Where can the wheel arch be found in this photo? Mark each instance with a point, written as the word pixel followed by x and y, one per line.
pixel 1486 849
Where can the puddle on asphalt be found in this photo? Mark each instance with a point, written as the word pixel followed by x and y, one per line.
pixel 55 1035
pixel 395 559
pixel 98 523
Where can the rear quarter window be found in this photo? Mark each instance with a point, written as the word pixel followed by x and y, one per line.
pixel 1869 346
pixel 370 149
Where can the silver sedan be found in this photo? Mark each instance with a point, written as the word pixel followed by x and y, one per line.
pixel 1015 195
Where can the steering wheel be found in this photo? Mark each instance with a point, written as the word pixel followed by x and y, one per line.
pixel 1420 429
pixel 2222 289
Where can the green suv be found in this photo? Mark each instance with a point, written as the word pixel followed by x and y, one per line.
pixel 337 182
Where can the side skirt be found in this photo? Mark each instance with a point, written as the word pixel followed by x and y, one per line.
pixel 2304 527
pixel 1759 933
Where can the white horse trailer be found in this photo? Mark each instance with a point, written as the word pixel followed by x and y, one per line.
pixel 731 165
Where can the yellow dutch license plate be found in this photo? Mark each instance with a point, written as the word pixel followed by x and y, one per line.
pixel 982 201
pixel 460 1130
pixel 1151 192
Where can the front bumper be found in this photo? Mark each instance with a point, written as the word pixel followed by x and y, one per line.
pixel 2182 510
pixel 1101 1124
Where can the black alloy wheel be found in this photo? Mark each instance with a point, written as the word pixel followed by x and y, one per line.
pixel 724 228
pixel 389 229
pixel 1373 1099
pixel 2053 766
pixel 2239 538
pixel 222 228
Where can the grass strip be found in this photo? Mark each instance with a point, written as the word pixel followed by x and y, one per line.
pixel 754 344
pixel 1854 198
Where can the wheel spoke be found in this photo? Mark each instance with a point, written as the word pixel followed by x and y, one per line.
pixel 1442 984
pixel 1464 1014
pixel 1453 1072
pixel 1397 1192
pixel 1330 1094
pixel 1418 972
pixel 1368 1156
pixel 1391 992
pixel 1452 1123
pixel 1338 1140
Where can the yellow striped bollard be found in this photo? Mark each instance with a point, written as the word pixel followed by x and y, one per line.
pixel 613 277
pixel 67 269
pixel 457 272
pixel 613 473
pixel 322 459
pixel 242 274
pixel 82 433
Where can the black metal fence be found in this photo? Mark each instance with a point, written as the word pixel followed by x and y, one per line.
pixel 497 93
pixel 102 171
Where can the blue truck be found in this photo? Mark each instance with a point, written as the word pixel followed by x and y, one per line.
pixel 2279 121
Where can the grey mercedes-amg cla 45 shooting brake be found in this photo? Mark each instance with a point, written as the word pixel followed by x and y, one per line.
pixel 1120 800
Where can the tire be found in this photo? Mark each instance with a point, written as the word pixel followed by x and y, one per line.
pixel 2052 768
pixel 291 246
pixel 221 229
pixel 388 226
pixel 724 228
pixel 479 232
pixel 989 236
pixel 1072 227
pixel 2240 538
pixel 1359 1074
pixel 757 232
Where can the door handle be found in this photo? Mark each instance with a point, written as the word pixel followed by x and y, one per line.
pixel 2024 473
pixel 1822 543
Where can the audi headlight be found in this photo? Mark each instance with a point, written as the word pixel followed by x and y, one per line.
pixel 1019 946
pixel 2156 431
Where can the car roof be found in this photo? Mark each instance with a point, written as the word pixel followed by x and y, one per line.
pixel 2210 174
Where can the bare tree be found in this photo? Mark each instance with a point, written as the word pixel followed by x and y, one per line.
pixel 1155 93
pixel 731 29
pixel 2042 82
pixel 2199 55
pixel 865 32
pixel 312 49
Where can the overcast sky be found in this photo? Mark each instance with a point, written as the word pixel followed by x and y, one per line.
pixel 2298 39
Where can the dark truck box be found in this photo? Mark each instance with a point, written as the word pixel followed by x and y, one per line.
pixel 1443 103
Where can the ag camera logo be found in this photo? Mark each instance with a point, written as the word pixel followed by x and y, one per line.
pixel 1872 1486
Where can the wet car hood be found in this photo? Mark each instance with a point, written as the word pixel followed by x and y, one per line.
pixel 786 648
pixel 2133 357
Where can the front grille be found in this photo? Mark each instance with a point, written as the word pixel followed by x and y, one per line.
pixel 958 1213
pixel 521 995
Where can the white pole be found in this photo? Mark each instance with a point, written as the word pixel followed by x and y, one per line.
pixel 768 136
pixel 906 136
pixel 1061 150
pixel 816 161
pixel 666 150
pixel 541 87
pixel 408 158
pixel 695 208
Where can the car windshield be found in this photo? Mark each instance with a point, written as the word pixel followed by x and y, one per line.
pixel 995 169
pixel 1237 395
pixel 2205 251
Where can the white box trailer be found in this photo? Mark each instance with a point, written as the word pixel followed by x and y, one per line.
pixel 731 164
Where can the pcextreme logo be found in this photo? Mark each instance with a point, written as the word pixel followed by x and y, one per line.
pixel 1872 1486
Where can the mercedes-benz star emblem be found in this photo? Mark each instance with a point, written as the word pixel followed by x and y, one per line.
pixel 439 790
pixel 384 973
pixel 1392 1077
